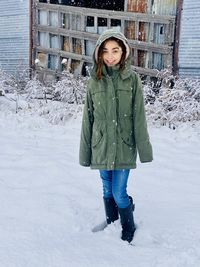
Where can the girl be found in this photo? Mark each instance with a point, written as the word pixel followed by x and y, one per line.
pixel 114 126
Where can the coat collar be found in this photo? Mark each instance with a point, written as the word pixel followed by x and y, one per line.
pixel 124 74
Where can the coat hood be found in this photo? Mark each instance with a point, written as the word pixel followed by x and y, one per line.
pixel 106 35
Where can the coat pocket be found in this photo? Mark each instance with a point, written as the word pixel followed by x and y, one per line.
pixel 124 97
pixel 127 138
pixel 96 138
pixel 126 148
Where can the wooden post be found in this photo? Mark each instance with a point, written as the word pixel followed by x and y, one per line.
pixel 95 24
pixel 125 5
pixel 122 26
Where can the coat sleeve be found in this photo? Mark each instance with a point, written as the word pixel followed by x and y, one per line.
pixel 86 132
pixel 140 125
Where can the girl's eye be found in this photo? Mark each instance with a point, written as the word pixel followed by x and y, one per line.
pixel 113 52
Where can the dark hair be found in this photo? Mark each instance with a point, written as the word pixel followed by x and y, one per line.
pixel 100 56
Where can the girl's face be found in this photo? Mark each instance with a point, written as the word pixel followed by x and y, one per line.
pixel 112 53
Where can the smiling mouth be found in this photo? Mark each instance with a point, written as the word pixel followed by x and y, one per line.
pixel 110 63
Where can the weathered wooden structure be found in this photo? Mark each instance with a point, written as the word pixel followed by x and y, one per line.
pixel 162 33
pixel 67 34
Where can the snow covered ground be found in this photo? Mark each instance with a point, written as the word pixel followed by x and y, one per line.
pixel 49 204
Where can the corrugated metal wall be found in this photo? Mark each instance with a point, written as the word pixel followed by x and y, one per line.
pixel 14 34
pixel 189 47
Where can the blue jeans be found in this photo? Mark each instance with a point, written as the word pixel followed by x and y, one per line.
pixel 114 186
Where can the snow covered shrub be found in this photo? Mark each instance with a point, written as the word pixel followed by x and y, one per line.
pixel 15 82
pixel 5 85
pixel 56 112
pixel 69 89
pixel 63 100
pixel 169 102
pixel 170 106
pixel 35 89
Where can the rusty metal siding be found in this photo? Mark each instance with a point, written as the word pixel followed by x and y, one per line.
pixel 137 6
pixel 160 7
pixel 189 47
pixel 14 35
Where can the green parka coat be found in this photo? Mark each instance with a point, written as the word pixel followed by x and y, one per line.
pixel 114 126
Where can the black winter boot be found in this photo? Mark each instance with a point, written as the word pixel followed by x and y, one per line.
pixel 127 222
pixel 111 210
pixel 133 205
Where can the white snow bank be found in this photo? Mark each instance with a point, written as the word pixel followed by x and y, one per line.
pixel 49 203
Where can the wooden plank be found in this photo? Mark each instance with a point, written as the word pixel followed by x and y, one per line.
pixel 48 17
pixel 83 23
pixel 69 63
pixel 70 44
pixel 158 48
pixel 72 55
pixel 70 21
pixel 59 20
pixel 150 33
pixel 135 57
pixel 107 13
pixel 148 72
pixel 109 23
pixel 95 23
pixel 125 5
pixel 83 47
pixel 150 56
pixel 139 70
pixel 122 26
pixel 136 30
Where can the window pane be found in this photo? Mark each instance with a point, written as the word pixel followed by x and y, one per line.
pixel 76 44
pixel 53 19
pixel 52 62
pixel 65 43
pixel 54 41
pixel 43 39
pixel 65 20
pixel 76 22
pixel 42 17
